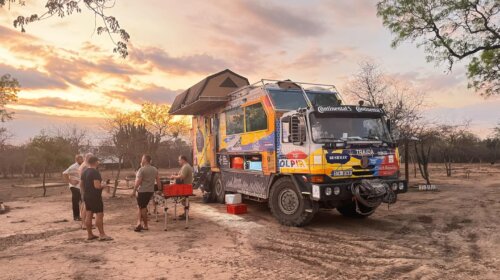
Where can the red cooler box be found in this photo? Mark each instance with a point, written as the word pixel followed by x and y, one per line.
pixel 236 208
pixel 170 190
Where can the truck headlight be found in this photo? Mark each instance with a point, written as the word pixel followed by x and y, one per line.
pixel 394 186
pixel 328 191
pixel 336 190
pixel 401 186
pixel 316 194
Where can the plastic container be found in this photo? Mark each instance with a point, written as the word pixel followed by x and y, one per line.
pixel 233 198
pixel 237 163
pixel 255 165
pixel 171 190
pixel 236 208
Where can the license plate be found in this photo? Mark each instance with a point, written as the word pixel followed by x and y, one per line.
pixel 341 173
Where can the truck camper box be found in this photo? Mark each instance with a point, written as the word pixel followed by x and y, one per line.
pixel 209 93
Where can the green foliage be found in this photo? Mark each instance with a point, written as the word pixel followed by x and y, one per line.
pixel 451 30
pixel 50 153
pixel 9 87
pixel 484 72
pixel 62 8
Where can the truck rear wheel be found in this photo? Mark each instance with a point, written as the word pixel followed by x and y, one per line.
pixel 218 189
pixel 349 210
pixel 288 206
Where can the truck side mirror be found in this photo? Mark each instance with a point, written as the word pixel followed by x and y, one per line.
pixel 297 130
pixel 389 125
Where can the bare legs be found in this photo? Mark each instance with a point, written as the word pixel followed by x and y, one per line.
pixel 83 214
pixel 142 216
pixel 99 222
pixel 88 224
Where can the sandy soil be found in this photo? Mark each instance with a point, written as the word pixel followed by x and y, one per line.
pixel 453 233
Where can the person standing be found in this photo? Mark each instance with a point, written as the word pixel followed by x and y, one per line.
pixel 82 169
pixel 91 184
pixel 145 180
pixel 185 176
pixel 72 177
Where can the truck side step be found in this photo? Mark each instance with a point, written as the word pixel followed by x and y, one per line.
pixel 309 210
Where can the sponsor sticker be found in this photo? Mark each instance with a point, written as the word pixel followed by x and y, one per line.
pixel 326 109
pixel 292 163
pixel 390 158
pixel 338 158
pixel 341 173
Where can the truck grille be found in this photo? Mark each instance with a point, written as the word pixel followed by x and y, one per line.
pixel 363 173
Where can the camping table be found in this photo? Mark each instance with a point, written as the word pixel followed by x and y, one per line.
pixel 163 200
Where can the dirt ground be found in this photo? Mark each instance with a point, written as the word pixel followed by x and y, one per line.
pixel 453 233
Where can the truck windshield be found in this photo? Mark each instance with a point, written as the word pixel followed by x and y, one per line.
pixel 322 98
pixel 293 99
pixel 328 129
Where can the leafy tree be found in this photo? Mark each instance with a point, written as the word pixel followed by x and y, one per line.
pixel 9 87
pixel 49 153
pixel 451 30
pixel 62 8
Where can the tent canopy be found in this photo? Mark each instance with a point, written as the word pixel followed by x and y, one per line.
pixel 207 94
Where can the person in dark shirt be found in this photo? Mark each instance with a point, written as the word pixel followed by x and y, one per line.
pixel 91 183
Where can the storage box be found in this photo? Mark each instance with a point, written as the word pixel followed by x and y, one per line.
pixel 236 208
pixel 170 190
pixel 233 198
pixel 255 165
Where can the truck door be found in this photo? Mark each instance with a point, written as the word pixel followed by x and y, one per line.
pixel 293 149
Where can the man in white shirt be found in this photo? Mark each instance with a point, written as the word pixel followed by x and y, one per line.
pixel 72 177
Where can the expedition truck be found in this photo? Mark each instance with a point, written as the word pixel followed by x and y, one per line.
pixel 294 145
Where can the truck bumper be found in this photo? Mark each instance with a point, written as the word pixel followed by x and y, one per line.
pixel 342 191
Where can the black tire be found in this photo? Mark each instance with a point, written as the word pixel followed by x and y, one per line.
pixel 288 206
pixel 349 210
pixel 218 190
pixel 211 196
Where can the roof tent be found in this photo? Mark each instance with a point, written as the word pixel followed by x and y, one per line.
pixel 207 94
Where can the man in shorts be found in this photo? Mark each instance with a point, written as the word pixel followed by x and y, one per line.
pixel 82 169
pixel 185 176
pixel 72 176
pixel 91 184
pixel 145 180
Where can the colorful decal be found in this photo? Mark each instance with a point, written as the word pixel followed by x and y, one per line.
pixel 292 163
pixel 200 141
pixel 296 155
pixel 338 158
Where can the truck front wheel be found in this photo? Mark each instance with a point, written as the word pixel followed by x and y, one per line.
pixel 288 205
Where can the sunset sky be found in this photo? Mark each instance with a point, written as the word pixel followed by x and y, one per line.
pixel 69 75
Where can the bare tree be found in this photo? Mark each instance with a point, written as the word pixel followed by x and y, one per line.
pixel 450 137
pixel 76 136
pixel 401 102
pixel 427 135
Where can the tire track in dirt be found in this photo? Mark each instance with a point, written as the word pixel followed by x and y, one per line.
pixel 21 239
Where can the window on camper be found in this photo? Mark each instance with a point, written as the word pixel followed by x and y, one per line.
pixel 234 121
pixel 255 117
